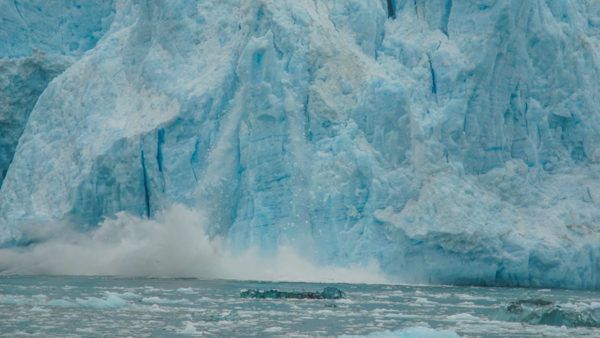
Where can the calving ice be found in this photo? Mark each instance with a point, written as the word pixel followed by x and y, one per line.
pixel 446 141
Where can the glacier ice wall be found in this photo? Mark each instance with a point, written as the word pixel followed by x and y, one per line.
pixel 38 41
pixel 452 141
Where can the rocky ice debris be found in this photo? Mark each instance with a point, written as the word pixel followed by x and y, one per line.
pixel 517 306
pixel 544 312
pixel 327 293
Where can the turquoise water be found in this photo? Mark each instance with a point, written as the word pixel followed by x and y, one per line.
pixel 103 306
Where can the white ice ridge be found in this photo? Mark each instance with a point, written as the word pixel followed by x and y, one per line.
pixel 450 141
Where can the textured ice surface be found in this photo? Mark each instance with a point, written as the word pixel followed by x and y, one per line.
pixel 452 141
pixel 66 27
pixel 38 40
pixel 22 80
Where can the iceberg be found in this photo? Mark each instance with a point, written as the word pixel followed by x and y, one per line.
pixel 329 292
pixel 451 142
pixel 543 312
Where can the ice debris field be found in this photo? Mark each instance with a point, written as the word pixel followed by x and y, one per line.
pixel 162 307
pixel 429 141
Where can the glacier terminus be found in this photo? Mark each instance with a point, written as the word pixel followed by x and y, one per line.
pixel 450 142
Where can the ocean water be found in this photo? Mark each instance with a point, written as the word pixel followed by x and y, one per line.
pixel 106 306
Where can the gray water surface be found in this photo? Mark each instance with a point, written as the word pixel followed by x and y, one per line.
pixel 105 306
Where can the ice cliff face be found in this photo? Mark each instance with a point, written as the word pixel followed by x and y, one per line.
pixel 38 41
pixel 452 141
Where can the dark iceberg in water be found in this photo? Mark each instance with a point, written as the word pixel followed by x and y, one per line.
pixel 327 293
pixel 544 312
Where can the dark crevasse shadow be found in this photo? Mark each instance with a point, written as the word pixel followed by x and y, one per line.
pixel 391 8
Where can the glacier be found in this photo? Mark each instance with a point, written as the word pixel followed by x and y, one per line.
pixel 38 41
pixel 451 141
